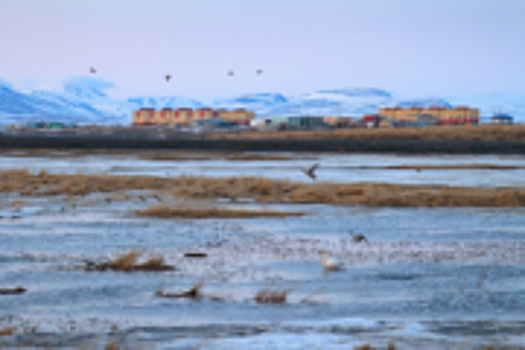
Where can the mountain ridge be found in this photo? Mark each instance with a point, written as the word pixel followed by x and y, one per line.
pixel 85 100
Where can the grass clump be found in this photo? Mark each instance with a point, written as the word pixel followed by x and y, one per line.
pixel 272 296
pixel 124 262
pixel 193 292
pixel 260 189
pixel 194 212
pixel 128 262
pixel 154 264
pixel 7 331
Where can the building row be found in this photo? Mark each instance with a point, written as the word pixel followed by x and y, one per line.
pixel 186 116
pixel 436 115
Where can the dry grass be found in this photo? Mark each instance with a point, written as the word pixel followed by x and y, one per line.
pixel 154 264
pixel 125 262
pixel 112 345
pixel 193 292
pixel 272 296
pixel 194 212
pixel 259 189
pixel 7 331
pixel 363 347
pixel 128 262
pixel 481 132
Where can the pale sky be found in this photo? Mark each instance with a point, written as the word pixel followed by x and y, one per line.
pixel 411 47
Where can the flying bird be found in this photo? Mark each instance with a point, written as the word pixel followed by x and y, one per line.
pixel 231 73
pixel 259 71
pixel 92 70
pixel 168 78
pixel 310 172
pixel 330 263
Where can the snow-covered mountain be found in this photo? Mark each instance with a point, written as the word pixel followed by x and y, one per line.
pixel 85 100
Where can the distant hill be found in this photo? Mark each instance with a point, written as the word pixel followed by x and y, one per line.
pixel 84 100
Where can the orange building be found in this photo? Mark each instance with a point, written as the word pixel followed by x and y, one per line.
pixel 448 116
pixel 184 116
pixel 164 116
pixel 238 116
pixel 144 116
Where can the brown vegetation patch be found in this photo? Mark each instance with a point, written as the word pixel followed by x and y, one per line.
pixel 125 262
pixel 480 132
pixel 154 264
pixel 272 296
pixel 7 331
pixel 259 189
pixel 194 212
pixel 193 292
pixel 128 262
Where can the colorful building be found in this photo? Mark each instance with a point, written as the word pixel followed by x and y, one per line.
pixel 459 115
pixel 185 116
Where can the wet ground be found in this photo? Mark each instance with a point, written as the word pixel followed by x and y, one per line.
pixel 429 278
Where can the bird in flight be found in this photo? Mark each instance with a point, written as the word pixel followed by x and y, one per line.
pixel 259 71
pixel 231 73
pixel 92 70
pixel 168 78
pixel 310 172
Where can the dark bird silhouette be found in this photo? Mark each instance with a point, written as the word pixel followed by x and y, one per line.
pixel 231 73
pixel 259 71
pixel 310 172
pixel 92 70
pixel 358 238
pixel 168 78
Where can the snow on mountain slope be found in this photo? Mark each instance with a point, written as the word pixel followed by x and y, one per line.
pixel 86 100
pixel 424 103
pixel 161 102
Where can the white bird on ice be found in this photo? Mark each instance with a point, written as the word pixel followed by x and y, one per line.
pixel 330 263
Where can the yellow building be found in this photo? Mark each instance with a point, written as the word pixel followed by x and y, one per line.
pixel 205 113
pixel 453 116
pixel 164 116
pixel 238 116
pixel 144 116
pixel 184 116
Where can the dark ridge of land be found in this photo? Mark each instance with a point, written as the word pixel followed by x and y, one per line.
pixel 200 143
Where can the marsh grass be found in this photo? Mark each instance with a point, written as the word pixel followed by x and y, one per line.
pixel 128 262
pixel 260 189
pixel 194 212
pixel 154 264
pixel 272 296
pixel 7 331
pixel 480 132
pixel 193 292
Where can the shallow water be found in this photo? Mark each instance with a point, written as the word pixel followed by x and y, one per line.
pixel 430 278
pixel 333 168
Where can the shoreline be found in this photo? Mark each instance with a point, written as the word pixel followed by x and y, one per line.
pixel 201 143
